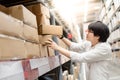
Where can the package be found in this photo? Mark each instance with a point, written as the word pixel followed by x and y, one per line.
pixel 43 51
pixel 32 50
pixel 42 20
pixel 50 52
pixel 22 13
pixel 39 9
pixel 50 29
pixel 12 48
pixel 43 38
pixel 62 44
pixel 10 26
pixel 3 9
pixel 30 34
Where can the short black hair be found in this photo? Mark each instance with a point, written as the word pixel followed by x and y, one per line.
pixel 99 29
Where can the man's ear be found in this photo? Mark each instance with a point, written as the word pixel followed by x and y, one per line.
pixel 98 37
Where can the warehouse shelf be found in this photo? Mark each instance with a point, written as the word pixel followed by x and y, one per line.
pixel 27 69
pixel 116 27
pixel 116 49
pixel 116 40
pixel 108 5
pixel 117 9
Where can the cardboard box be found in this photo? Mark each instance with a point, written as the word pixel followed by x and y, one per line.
pixel 39 9
pixel 43 38
pixel 30 8
pixel 12 48
pixel 42 20
pixel 43 51
pixel 50 29
pixel 62 44
pixel 3 9
pixel 30 34
pixel 32 50
pixel 50 52
pixel 10 26
pixel 22 13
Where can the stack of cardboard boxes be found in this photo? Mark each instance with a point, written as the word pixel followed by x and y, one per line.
pixel 45 30
pixel 19 28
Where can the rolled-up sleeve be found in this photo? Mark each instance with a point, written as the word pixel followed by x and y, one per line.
pixel 99 53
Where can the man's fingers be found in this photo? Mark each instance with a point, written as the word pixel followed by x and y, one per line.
pixel 48 42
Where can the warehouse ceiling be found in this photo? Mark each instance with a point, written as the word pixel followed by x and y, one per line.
pixel 78 10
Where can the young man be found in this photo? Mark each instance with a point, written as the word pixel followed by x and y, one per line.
pixel 95 51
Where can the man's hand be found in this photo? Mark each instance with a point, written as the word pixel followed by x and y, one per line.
pixel 52 44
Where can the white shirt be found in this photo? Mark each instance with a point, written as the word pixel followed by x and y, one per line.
pixel 97 58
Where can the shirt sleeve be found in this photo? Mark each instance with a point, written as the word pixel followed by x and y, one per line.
pixel 77 47
pixel 99 53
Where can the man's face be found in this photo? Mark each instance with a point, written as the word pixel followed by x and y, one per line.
pixel 91 37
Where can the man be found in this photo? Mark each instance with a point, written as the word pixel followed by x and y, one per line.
pixel 95 51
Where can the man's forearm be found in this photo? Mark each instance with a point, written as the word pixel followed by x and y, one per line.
pixel 66 41
pixel 63 51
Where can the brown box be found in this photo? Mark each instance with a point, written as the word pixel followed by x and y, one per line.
pixel 62 44
pixel 51 52
pixel 22 13
pixel 50 29
pixel 30 8
pixel 32 50
pixel 42 20
pixel 30 34
pixel 43 51
pixel 3 9
pixel 10 26
pixel 43 38
pixel 39 9
pixel 12 48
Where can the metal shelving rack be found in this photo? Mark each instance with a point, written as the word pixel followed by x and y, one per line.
pixel 115 38
pixel 28 69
